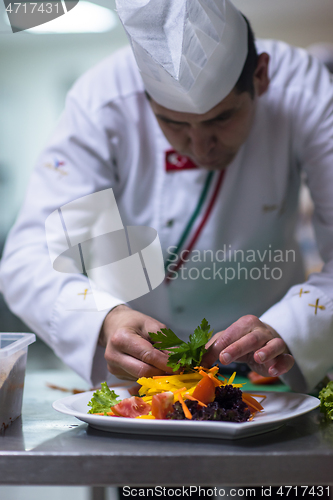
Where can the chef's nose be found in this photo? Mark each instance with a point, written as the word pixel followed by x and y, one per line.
pixel 202 140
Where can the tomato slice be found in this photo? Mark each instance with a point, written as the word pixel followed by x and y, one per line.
pixel 131 407
pixel 161 404
pixel 205 390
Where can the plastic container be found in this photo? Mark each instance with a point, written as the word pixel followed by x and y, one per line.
pixel 13 361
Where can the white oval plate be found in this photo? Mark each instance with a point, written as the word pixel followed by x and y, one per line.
pixel 279 407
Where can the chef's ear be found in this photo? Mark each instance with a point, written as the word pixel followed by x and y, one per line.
pixel 260 77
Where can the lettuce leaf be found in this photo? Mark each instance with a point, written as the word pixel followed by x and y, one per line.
pixel 326 400
pixel 103 399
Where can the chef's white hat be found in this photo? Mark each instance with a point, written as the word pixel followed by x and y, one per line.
pixel 190 52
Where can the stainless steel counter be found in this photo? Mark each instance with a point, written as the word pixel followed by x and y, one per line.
pixel 44 447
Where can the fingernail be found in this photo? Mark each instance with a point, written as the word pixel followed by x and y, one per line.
pixel 262 356
pixel 226 357
pixel 273 372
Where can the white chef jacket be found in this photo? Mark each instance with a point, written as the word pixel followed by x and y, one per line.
pixel 108 137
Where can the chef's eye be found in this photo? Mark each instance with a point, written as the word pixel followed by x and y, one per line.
pixel 224 118
pixel 174 125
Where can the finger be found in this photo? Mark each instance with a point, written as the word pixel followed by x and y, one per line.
pixel 271 350
pixel 149 361
pixel 145 352
pixel 245 345
pixel 214 348
pixel 150 326
pixel 129 368
pixel 214 339
pixel 134 389
pixel 129 342
pixel 283 364
pixel 118 371
pixel 223 339
pixel 121 374
pixel 114 360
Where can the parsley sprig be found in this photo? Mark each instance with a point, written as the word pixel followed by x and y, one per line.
pixel 183 354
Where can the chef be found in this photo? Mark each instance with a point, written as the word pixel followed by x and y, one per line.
pixel 203 135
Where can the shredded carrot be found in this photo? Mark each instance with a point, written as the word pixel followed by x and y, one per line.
pixel 201 368
pixel 250 401
pixel 108 413
pixel 187 396
pixel 258 395
pixel 216 381
pixel 185 409
pixel 212 377
pixel 213 369
pixel 180 390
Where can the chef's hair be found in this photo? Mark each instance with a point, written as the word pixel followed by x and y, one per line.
pixel 245 81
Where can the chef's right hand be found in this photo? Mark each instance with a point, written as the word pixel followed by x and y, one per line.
pixel 129 352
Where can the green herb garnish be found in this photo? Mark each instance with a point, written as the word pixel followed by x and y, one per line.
pixel 183 354
pixel 103 399
pixel 326 400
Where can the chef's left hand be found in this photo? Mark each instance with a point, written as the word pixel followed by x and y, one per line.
pixel 250 341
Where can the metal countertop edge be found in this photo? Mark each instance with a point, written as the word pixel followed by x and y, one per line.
pixel 124 470
pixel 225 455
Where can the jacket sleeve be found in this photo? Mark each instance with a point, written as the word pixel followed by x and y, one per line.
pixel 304 317
pixel 60 307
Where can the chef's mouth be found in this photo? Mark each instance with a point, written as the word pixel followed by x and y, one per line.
pixel 220 163
pixel 212 165
pixel 205 163
pixel 217 164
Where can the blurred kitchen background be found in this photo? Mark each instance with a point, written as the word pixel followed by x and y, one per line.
pixel 37 70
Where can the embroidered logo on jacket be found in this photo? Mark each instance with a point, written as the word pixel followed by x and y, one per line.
pixel 57 166
pixel 174 161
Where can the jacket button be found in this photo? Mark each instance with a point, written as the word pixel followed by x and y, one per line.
pixel 180 309
pixel 170 223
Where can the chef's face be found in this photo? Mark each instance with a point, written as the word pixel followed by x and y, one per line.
pixel 213 139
